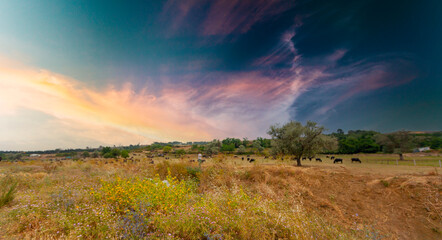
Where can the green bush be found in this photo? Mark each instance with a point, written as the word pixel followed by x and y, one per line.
pixel 194 172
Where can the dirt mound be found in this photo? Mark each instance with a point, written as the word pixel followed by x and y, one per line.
pixel 397 207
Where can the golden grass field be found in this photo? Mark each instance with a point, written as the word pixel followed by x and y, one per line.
pixel 227 199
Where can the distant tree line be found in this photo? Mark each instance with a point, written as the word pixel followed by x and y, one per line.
pixel 361 141
pixel 292 138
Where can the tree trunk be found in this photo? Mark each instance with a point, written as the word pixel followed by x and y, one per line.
pixel 298 160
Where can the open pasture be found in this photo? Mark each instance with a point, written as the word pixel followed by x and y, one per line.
pixel 229 198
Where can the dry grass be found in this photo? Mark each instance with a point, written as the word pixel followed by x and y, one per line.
pixel 228 199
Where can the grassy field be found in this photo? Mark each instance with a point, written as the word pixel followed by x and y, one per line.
pixel 227 199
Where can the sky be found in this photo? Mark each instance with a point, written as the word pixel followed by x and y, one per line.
pixel 76 74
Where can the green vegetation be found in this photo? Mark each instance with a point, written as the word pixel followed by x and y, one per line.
pixel 108 152
pixel 7 190
pixel 180 152
pixel 124 154
pixel 167 149
pixel 356 142
pixel 297 140
pixel 85 154
pixel 399 142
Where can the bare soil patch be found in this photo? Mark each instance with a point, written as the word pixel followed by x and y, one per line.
pixel 398 206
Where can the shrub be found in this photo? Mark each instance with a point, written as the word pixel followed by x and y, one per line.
pixel 177 170
pixel 194 172
pixel 8 188
pixel 159 196
pixel 152 208
pixel 124 154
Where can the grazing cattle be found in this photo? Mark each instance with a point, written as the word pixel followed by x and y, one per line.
pixel 248 155
pixel 304 158
pixel 203 160
pixel 242 158
pixel 151 162
pixel 251 160
pixel 266 157
pixel 318 160
pixel 327 156
pixel 338 160
pixel 248 159
pixel 356 160
pixel 332 157
pixel 310 158
pixel 235 156
pixel 0 159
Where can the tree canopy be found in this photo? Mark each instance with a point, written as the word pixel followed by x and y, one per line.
pixel 298 140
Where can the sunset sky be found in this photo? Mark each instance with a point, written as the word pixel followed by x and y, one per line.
pixel 88 73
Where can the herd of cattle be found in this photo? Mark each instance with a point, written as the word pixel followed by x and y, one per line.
pixel 335 160
pixel 249 159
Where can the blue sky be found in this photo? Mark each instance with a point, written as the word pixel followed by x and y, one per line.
pixel 81 73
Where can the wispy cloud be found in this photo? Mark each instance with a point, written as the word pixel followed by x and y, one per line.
pixel 135 112
pixel 223 17
pixel 239 104
pixel 337 83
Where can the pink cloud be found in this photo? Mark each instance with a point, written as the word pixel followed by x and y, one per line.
pixel 224 16
pixel 365 77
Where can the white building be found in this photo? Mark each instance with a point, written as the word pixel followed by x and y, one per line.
pixel 423 149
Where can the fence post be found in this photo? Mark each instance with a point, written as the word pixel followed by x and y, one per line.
pixel 414 162
pixel 440 164
pixel 397 162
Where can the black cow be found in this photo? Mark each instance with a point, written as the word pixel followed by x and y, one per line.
pixel 310 158
pixel 248 159
pixel 304 158
pixel 242 158
pixel 251 160
pixel 338 160
pixel 356 160
pixel 318 160
pixel 332 157
pixel 327 156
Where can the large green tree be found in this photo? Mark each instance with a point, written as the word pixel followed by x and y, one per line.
pixel 298 140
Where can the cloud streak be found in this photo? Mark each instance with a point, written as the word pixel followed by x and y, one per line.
pixel 137 113
pixel 222 17
pixel 238 104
